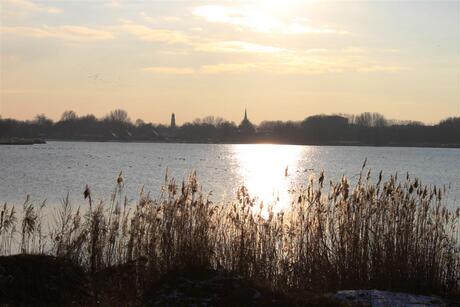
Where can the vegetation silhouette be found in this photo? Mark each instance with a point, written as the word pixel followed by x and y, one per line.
pixel 395 234
pixel 364 129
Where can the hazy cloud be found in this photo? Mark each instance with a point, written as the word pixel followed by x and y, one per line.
pixel 232 68
pixel 383 68
pixel 19 9
pixel 297 68
pixel 116 4
pixel 257 21
pixel 78 33
pixel 303 62
pixel 153 34
pixel 147 17
pixel 170 70
pixel 237 46
pixel 29 6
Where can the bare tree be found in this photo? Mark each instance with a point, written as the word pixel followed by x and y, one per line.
pixel 139 122
pixel 119 115
pixel 368 119
pixel 69 115
pixel 42 120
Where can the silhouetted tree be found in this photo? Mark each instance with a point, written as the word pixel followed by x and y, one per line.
pixel 321 129
pixel 119 115
pixel 368 119
pixel 43 121
pixel 42 125
pixel 68 115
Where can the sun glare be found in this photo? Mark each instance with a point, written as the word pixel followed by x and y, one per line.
pixel 267 172
pixel 260 16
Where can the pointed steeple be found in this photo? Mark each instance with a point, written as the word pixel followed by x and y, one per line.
pixel 246 125
pixel 173 121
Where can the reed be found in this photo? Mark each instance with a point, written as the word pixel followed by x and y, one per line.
pixel 394 234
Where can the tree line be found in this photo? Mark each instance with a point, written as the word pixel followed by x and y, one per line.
pixel 363 129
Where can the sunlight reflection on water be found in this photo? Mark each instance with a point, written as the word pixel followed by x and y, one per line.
pixel 267 172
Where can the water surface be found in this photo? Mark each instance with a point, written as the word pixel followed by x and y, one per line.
pixel 52 170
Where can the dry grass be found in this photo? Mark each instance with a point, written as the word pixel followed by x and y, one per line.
pixel 393 234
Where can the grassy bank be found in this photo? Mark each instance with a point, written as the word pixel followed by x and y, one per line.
pixel 394 234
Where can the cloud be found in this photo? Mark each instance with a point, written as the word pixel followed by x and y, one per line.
pixel 266 67
pixel 311 67
pixel 155 35
pixel 158 19
pixel 81 33
pixel 22 7
pixel 383 68
pixel 221 14
pixel 289 62
pixel 205 69
pixel 237 47
pixel 257 21
pixel 170 70
pixel 233 68
pixel 170 18
pixel 115 4
pixel 73 33
pixel 320 61
pixel 147 17
pixel 299 28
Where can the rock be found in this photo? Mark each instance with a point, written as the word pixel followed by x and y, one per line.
pixel 209 288
pixel 377 298
pixel 41 280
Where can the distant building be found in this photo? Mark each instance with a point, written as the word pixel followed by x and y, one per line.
pixel 173 121
pixel 246 126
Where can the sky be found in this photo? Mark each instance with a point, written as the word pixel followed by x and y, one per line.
pixel 282 60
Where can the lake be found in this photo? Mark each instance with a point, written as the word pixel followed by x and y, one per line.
pixel 52 170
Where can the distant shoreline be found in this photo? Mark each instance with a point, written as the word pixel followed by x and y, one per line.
pixel 366 129
pixel 34 141
pixel 344 144
pixel 22 141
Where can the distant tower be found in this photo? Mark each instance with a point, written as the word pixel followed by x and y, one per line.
pixel 245 121
pixel 173 121
pixel 246 126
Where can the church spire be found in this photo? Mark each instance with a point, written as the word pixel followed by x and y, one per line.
pixel 246 126
pixel 173 121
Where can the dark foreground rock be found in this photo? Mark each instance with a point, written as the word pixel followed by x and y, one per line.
pixel 214 288
pixel 209 288
pixel 38 280
pixel 378 298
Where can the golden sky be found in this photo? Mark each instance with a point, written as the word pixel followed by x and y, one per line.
pixel 283 60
